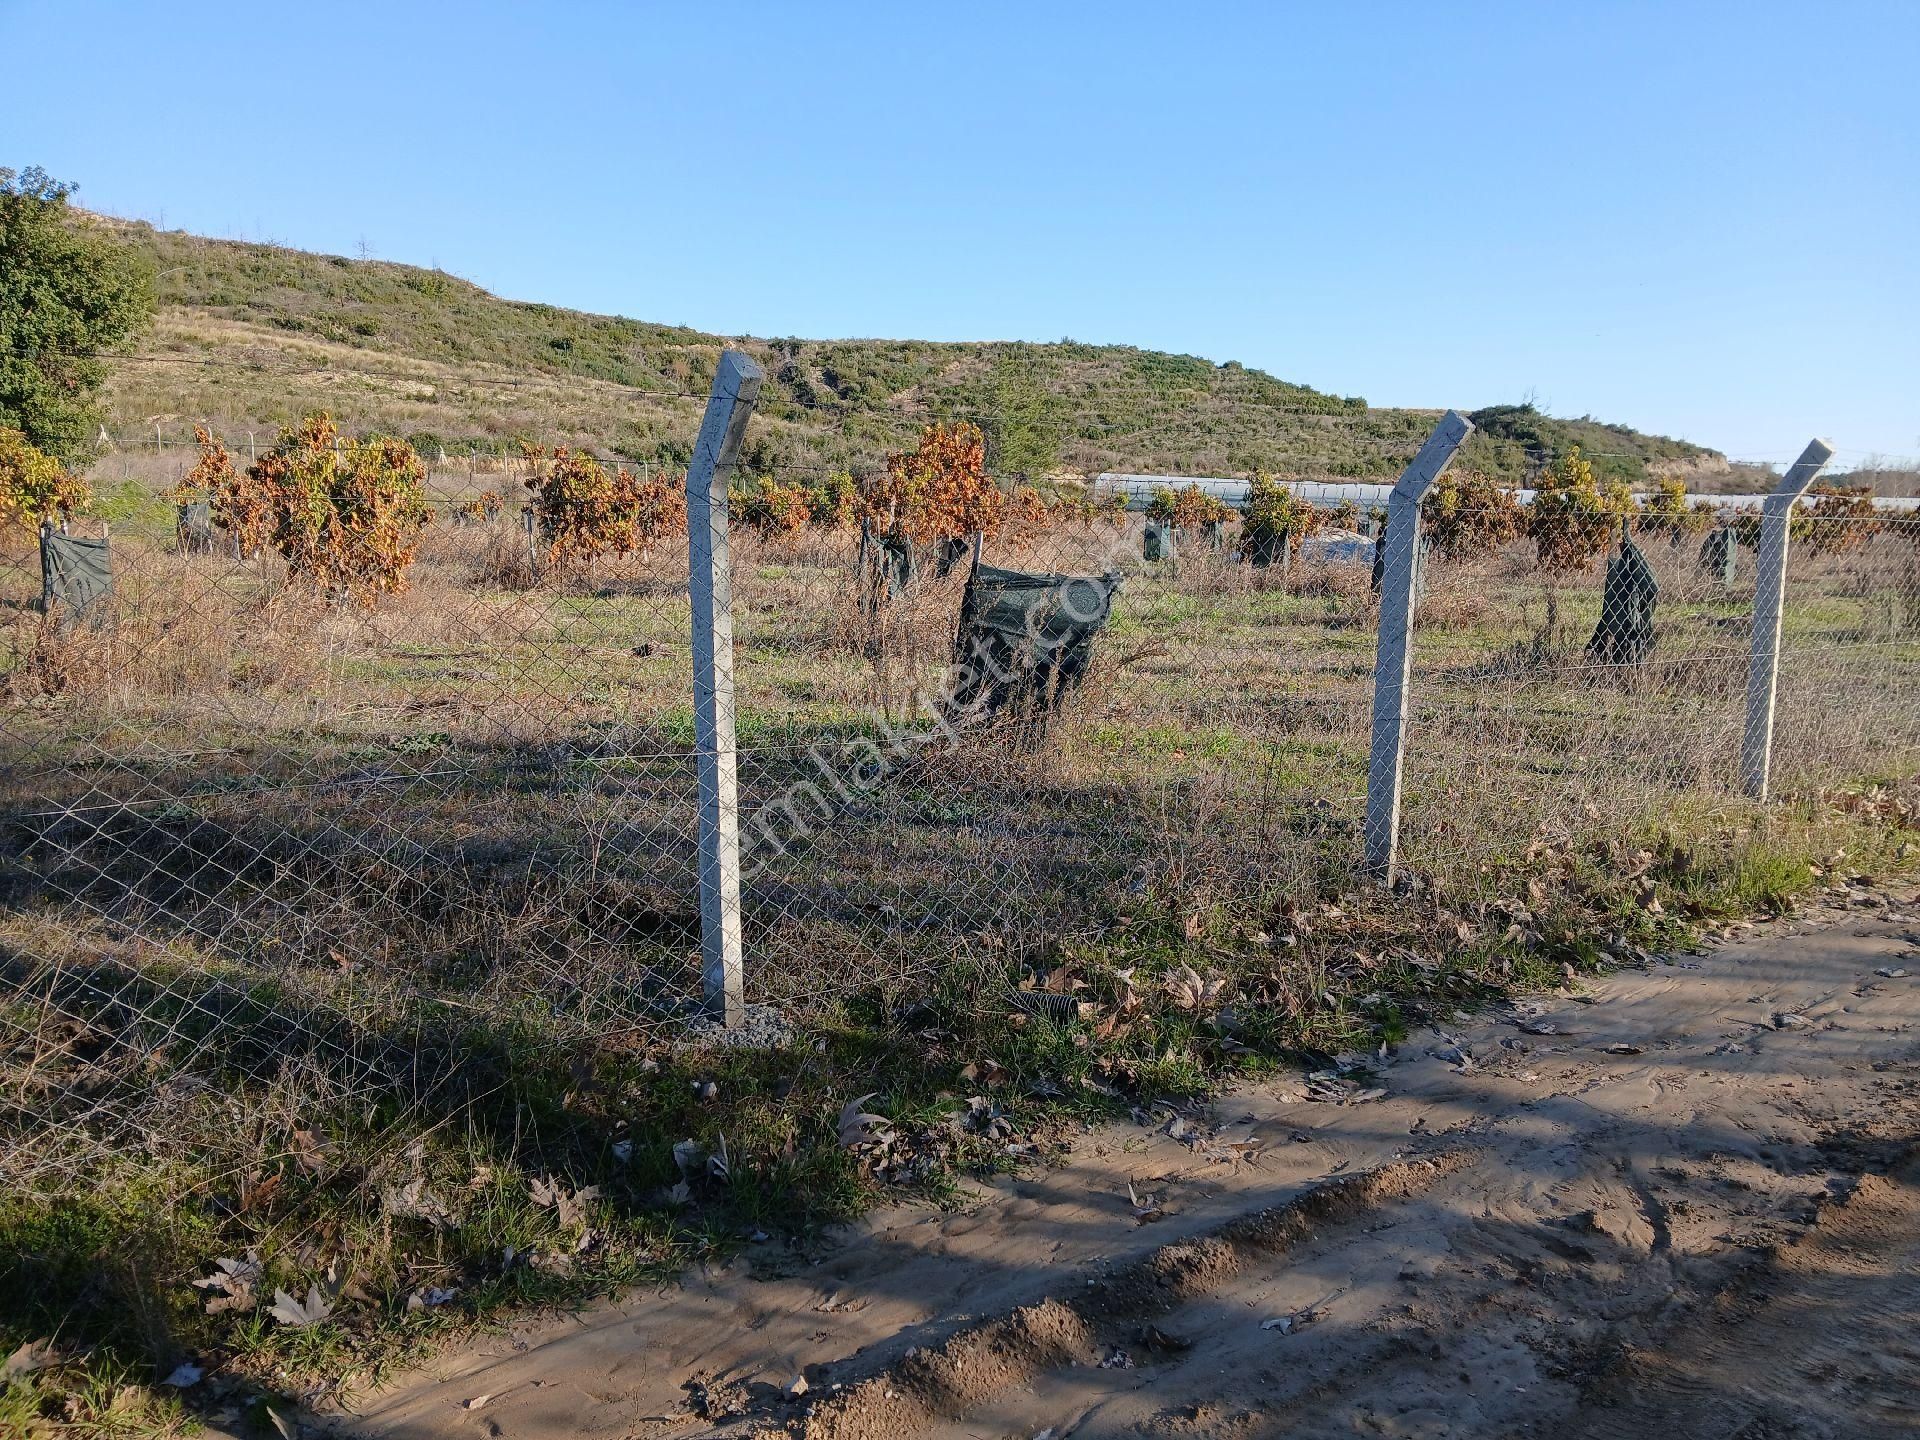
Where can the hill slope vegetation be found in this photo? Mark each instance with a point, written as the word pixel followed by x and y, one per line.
pixel 250 336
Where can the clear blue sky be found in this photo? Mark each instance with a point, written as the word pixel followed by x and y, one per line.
pixel 1702 219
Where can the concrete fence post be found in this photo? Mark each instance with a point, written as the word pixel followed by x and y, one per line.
pixel 1393 660
pixel 736 387
pixel 1769 596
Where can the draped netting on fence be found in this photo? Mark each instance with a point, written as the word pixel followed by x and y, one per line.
pixel 260 840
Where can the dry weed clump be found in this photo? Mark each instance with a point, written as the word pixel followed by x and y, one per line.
pixel 504 564
pixel 1457 599
pixel 48 660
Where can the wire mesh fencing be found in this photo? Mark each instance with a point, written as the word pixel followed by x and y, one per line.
pixel 255 830
pixel 1556 707
pixel 258 836
pixel 954 751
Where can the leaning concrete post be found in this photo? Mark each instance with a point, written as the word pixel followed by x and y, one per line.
pixel 736 386
pixel 1392 666
pixel 1769 594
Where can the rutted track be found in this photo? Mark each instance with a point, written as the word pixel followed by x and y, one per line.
pixel 1685 1204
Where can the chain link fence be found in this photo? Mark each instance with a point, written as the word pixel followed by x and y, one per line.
pixel 1610 702
pixel 323 850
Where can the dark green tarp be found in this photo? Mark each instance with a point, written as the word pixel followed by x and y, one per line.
pixel 1025 640
pixel 1625 633
pixel 1156 542
pixel 886 564
pixel 949 553
pixel 76 576
pixel 1378 574
pixel 1718 553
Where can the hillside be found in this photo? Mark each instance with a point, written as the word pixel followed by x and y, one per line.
pixel 249 336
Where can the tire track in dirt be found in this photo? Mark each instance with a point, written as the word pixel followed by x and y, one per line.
pixel 1819 1339
pixel 1611 1171
pixel 983 1362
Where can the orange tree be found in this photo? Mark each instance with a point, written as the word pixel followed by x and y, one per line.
pixel 1277 520
pixel 345 515
pixel 1842 518
pixel 33 485
pixel 1467 513
pixel 237 502
pixel 584 510
pixel 1667 512
pixel 940 490
pixel 1572 519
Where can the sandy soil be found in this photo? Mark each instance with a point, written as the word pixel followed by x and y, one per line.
pixel 1684 1203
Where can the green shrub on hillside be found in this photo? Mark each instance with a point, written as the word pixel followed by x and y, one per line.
pixel 67 292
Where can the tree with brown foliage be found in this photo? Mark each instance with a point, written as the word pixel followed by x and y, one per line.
pixel 940 490
pixel 1466 513
pixel 1842 518
pixel 346 514
pixel 237 502
pixel 583 510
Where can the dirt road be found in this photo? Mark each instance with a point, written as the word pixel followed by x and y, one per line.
pixel 1685 1203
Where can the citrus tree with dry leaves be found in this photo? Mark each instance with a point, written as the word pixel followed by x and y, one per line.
pixel 835 501
pixel 1188 508
pixel 1841 518
pixel 940 490
pixel 1572 517
pixel 346 515
pixel 33 485
pixel 583 510
pixel 1668 511
pixel 237 502
pixel 1467 513
pixel 1277 520
pixel 770 507
pixel 481 509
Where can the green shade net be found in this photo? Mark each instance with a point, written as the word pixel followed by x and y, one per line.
pixel 887 565
pixel 1625 635
pixel 76 577
pixel 1717 554
pixel 1025 640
